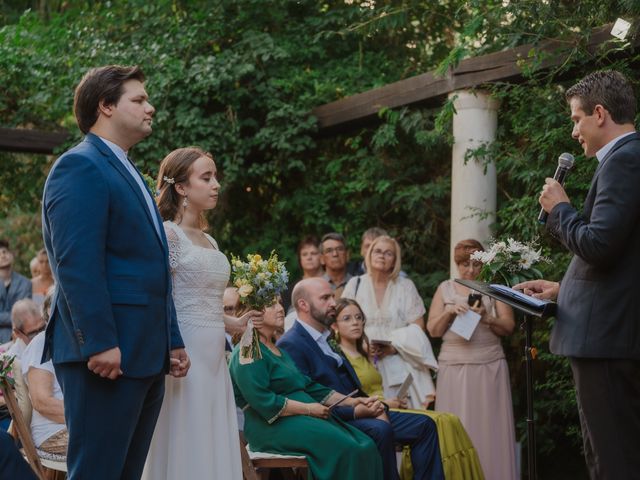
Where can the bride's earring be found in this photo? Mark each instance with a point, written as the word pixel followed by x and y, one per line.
pixel 185 202
pixel 337 337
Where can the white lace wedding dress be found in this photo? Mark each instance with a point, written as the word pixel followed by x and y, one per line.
pixel 196 436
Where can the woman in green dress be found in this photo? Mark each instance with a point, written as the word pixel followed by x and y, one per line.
pixel 287 413
pixel 459 457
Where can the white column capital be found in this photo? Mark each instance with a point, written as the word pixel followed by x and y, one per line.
pixel 472 99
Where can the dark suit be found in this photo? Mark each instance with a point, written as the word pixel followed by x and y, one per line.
pixel 12 463
pixel 418 431
pixel 598 319
pixel 113 290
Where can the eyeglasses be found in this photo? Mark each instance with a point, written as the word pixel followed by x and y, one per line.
pixel 385 253
pixel 332 250
pixel 358 317
pixel 31 335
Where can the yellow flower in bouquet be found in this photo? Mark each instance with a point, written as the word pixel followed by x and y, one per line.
pixel 259 283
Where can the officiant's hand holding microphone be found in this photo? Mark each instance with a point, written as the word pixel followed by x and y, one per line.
pixel 552 194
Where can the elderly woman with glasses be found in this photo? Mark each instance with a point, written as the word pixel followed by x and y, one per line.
pixel 395 326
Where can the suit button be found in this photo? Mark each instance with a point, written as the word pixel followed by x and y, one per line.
pixel 80 337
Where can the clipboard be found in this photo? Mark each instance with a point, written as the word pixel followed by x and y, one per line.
pixel 404 388
pixel 343 399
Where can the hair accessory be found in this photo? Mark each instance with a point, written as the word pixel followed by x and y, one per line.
pixel 170 180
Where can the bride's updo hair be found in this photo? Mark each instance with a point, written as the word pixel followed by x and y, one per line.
pixel 175 168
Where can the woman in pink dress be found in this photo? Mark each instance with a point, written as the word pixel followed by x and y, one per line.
pixel 473 378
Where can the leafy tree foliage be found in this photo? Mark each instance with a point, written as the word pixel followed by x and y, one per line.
pixel 239 78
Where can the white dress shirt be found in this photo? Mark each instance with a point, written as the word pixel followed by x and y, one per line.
pixel 600 154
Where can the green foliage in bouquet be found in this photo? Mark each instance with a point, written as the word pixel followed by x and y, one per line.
pixel 6 364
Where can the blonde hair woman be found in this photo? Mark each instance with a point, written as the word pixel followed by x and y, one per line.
pixel 395 327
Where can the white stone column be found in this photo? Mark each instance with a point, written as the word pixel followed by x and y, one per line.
pixel 473 182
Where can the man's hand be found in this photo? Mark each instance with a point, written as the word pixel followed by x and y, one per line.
pixel 179 363
pixel 552 194
pixel 543 289
pixel 106 364
pixel 373 410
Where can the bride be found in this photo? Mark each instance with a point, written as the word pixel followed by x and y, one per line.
pixel 197 433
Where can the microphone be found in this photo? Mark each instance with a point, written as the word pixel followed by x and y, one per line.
pixel 565 163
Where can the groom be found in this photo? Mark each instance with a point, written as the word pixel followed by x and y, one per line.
pixel 113 331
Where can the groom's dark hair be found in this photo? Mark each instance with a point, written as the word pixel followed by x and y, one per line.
pixel 101 84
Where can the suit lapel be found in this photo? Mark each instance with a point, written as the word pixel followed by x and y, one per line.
pixel 351 371
pixel 117 165
pixel 309 340
pixel 304 336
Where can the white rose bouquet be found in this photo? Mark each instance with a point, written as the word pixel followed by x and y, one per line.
pixel 259 283
pixel 509 262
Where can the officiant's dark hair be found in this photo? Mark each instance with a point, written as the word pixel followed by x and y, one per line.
pixel 176 168
pixel 362 344
pixel 463 250
pixel 608 88
pixel 101 84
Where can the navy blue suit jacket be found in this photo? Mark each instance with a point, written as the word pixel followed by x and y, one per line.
pixel 321 368
pixel 109 262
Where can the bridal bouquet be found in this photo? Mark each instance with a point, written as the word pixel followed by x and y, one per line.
pixel 509 262
pixel 259 282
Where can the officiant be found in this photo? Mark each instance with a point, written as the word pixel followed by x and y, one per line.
pixel 597 321
pixel 473 377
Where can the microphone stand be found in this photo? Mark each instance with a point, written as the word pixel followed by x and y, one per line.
pixel 530 312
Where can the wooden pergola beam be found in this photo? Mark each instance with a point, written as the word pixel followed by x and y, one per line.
pixel 31 141
pixel 429 87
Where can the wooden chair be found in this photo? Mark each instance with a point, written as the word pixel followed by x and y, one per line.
pixel 45 465
pixel 257 465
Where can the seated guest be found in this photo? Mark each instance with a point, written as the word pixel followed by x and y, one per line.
pixel 13 287
pixel 47 422
pixel 334 256
pixel 282 407
pixel 27 322
pixel 44 281
pixel 396 324
pixel 306 343
pixel 12 464
pixel 459 457
pixel 309 261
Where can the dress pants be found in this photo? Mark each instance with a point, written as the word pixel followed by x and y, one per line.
pixel 417 431
pixel 12 464
pixel 608 394
pixel 110 422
